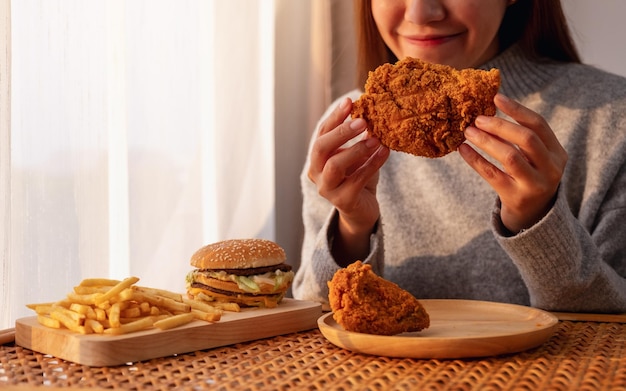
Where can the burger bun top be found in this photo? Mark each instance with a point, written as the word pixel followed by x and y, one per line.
pixel 238 254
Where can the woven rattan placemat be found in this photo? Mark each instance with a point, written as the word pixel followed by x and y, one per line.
pixel 580 356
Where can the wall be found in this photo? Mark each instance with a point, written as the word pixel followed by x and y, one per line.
pixel 599 30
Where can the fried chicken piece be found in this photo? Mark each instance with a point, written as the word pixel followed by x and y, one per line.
pixel 423 109
pixel 366 303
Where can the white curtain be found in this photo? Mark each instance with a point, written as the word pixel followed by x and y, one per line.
pixel 138 131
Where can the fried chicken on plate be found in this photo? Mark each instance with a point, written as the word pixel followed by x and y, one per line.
pixel 422 108
pixel 363 302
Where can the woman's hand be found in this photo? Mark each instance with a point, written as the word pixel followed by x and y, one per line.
pixel 531 158
pixel 347 177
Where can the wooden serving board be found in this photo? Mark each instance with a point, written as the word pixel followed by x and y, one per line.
pixel 106 350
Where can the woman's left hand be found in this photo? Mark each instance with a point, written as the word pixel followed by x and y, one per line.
pixel 531 160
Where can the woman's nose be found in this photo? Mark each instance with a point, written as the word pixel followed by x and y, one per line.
pixel 424 11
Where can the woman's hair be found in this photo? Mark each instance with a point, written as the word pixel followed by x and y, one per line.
pixel 538 26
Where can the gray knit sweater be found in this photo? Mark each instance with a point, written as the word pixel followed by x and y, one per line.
pixel 440 233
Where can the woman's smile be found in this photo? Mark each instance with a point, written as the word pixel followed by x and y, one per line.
pixel 429 40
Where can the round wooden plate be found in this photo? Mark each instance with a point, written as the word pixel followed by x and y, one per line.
pixel 458 329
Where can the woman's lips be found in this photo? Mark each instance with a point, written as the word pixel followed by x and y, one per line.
pixel 430 40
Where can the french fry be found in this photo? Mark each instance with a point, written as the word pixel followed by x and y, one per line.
pixel 43 309
pixel 125 295
pixel 137 325
pixel 65 303
pixel 94 325
pixel 104 305
pixel 74 316
pixel 127 282
pixel 130 320
pixel 160 292
pixel 144 307
pixel 87 299
pixel 88 290
pixel 227 306
pixel 48 322
pixel 35 305
pixel 131 312
pixel 105 323
pixel 114 315
pixel 206 316
pixel 114 307
pixel 80 308
pixel 161 302
pixel 98 282
pixel 100 314
pixel 91 313
pixel 67 320
pixel 201 306
pixel 174 321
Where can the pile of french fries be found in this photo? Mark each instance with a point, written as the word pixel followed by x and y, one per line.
pixel 105 306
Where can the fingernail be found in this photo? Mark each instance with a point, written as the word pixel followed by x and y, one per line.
pixel 471 131
pixel 372 142
pixel 482 120
pixel 344 103
pixel 503 98
pixel 382 151
pixel 357 124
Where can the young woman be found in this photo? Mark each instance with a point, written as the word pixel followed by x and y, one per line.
pixel 531 209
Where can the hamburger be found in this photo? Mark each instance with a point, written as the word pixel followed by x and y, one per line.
pixel 249 272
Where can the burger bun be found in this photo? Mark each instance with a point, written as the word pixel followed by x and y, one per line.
pixel 238 254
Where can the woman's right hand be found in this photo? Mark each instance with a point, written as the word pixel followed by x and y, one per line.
pixel 347 177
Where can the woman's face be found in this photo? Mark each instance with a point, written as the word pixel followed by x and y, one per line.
pixel 459 33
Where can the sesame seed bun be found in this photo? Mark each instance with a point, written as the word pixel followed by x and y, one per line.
pixel 238 254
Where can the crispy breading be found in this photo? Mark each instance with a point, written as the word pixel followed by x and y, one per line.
pixel 423 109
pixel 363 302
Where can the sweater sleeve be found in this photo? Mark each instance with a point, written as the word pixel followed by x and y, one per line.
pixel 317 265
pixel 568 267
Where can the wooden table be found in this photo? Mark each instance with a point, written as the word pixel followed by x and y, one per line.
pixel 580 356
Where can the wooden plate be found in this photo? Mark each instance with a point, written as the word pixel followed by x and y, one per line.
pixel 458 329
